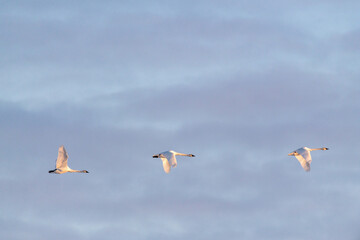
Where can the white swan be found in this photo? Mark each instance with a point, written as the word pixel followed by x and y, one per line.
pixel 304 157
pixel 61 163
pixel 169 156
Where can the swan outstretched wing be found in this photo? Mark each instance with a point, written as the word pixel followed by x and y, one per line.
pixel 170 156
pixel 172 160
pixel 306 155
pixel 304 158
pixel 303 162
pixel 166 165
pixel 61 161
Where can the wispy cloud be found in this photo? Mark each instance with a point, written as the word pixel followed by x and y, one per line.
pixel 239 84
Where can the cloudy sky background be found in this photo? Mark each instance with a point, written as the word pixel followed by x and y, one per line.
pixel 240 84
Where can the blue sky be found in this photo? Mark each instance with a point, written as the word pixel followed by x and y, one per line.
pixel 239 84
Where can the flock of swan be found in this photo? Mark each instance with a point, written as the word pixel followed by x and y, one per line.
pixel 168 159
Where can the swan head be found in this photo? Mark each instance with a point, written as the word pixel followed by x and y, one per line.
pixel 325 148
pixel 84 171
pixel 191 155
pixel 158 156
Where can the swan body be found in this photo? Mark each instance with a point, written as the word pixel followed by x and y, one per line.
pixel 61 163
pixel 169 160
pixel 304 157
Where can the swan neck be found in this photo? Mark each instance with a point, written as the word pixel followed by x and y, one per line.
pixel 181 154
pixel 313 149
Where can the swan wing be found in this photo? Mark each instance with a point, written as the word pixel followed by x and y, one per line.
pixel 303 162
pixel 304 158
pixel 61 161
pixel 171 157
pixel 172 160
pixel 306 155
pixel 166 165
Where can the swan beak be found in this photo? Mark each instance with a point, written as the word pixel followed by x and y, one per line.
pixel 192 155
pixel 326 148
pixel 156 156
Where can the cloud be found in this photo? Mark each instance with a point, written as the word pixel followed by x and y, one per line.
pixel 245 186
pixel 238 84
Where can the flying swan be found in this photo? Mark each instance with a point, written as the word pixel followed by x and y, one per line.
pixel 61 163
pixel 304 157
pixel 169 160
